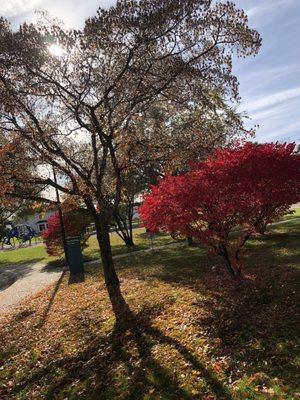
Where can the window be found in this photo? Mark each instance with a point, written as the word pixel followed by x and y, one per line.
pixel 42 227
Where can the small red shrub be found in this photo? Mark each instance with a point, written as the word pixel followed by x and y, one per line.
pixel 75 224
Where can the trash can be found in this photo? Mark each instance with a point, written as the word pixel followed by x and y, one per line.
pixel 74 255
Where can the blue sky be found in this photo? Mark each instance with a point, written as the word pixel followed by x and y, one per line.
pixel 269 83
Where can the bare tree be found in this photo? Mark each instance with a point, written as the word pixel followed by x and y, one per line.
pixel 76 108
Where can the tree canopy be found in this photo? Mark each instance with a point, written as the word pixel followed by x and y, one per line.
pixel 78 109
pixel 124 59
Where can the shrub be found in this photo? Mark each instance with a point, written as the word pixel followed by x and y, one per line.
pixel 223 201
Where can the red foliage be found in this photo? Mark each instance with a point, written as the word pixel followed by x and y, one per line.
pixel 243 188
pixel 75 224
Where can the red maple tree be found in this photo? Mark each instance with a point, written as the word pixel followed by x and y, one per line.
pixel 75 224
pixel 223 201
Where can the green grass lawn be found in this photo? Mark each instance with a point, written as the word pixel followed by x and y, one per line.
pixel 140 239
pixel 195 334
pixel 295 214
pixel 24 255
pixel 91 252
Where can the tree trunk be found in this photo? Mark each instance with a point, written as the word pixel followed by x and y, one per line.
pixel 130 218
pixel 128 241
pixel 119 305
pixel 235 273
pixel 124 226
pixel 190 241
pixel 229 267
pixel 102 231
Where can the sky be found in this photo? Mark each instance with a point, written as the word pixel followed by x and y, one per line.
pixel 269 82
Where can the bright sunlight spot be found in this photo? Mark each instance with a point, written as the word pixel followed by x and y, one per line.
pixel 56 50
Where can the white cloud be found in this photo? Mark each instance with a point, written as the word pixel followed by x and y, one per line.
pixel 290 132
pixel 265 74
pixel 280 122
pixel 265 79
pixel 72 12
pixel 266 6
pixel 276 115
pixel 281 111
pixel 12 8
pixel 273 99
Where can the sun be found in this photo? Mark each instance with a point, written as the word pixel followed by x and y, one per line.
pixel 56 50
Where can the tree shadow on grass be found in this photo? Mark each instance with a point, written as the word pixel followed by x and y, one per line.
pixel 182 265
pixel 130 346
pixel 51 300
pixel 146 336
pixel 73 279
pixel 249 325
pixel 253 326
pixel 54 265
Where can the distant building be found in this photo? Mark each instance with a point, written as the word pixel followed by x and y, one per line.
pixel 38 221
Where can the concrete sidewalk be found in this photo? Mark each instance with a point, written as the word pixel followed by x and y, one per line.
pixel 26 280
